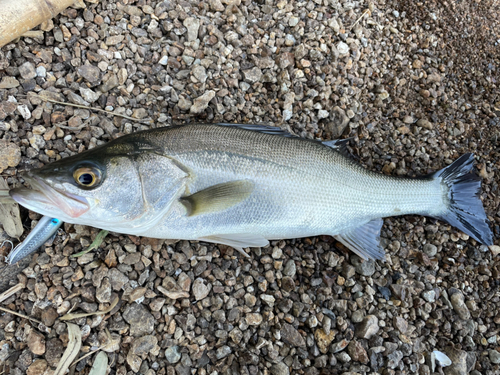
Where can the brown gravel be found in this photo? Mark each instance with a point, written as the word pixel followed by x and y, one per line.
pixel 415 84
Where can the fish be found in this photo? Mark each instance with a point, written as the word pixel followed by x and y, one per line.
pixel 242 185
pixel 45 229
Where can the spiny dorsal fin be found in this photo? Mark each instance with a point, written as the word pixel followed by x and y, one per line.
pixel 339 145
pixel 218 197
pixel 273 130
pixel 364 240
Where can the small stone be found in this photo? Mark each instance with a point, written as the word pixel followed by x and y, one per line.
pixel 363 267
pixel 458 360
pixel 394 358
pixel 10 155
pixel 458 303
pixel 342 48
pixel 291 336
pixel 90 73
pixel 253 319
pixel 324 340
pixel 430 249
pixel 401 324
pixel 368 327
pixel 36 342
pixel 103 292
pixel 338 122
pixel 140 319
pixel 139 348
pixel 173 354
pixel 37 368
pixel 223 352
pixel 253 75
pixel 339 346
pixel 110 84
pixel 89 95
pixel 408 120
pixel 49 316
pixel 494 356
pixel 163 60
pixel 290 268
pixel 200 73
pixel 200 290
pixel 41 71
pixel 216 5
pixel 279 368
pixel 140 113
pixel 417 64
pixel 192 25
pixel 24 111
pixel 429 295
pixel 27 70
pixel 118 279
pixel 495 250
pixel 184 103
pixel 293 21
pixel 357 352
pixel 201 102
pixel 8 82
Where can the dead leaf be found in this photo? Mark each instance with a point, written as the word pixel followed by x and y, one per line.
pixel 83 315
pixel 10 217
pixel 72 350
pixel 100 364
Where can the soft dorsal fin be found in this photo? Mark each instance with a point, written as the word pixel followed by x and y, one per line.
pixel 217 197
pixel 266 129
pixel 339 145
pixel 364 240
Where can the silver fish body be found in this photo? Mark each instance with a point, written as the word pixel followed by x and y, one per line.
pixel 243 185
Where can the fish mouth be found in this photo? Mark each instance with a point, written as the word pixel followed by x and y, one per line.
pixel 48 200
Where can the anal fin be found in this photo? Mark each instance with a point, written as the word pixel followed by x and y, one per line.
pixel 237 241
pixel 364 240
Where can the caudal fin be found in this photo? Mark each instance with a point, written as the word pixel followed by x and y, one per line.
pixel 465 209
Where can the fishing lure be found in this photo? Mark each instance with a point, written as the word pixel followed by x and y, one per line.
pixel 45 229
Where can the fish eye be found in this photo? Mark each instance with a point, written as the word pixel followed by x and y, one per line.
pixel 87 176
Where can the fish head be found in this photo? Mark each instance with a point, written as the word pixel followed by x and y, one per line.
pixel 115 186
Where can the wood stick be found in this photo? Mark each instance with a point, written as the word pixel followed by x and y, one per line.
pixel 19 16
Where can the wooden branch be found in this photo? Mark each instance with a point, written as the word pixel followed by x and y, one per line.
pixel 19 16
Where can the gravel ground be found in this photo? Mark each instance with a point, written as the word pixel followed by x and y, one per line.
pixel 414 84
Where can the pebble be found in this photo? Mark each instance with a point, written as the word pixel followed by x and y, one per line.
pixel 90 73
pixel 172 354
pixel 36 343
pixel 200 289
pixel 291 336
pixel 279 368
pixel 494 356
pixel 253 75
pixel 368 327
pixel 10 155
pixel 364 267
pixel 342 48
pixel 201 102
pixel 323 340
pixel 38 367
pixel 27 70
pixel 8 82
pixel 458 303
pixel 140 320
pixel 192 25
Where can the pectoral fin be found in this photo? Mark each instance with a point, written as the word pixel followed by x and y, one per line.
pixel 237 241
pixel 364 240
pixel 218 197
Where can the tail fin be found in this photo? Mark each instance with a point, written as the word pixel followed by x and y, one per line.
pixel 465 209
